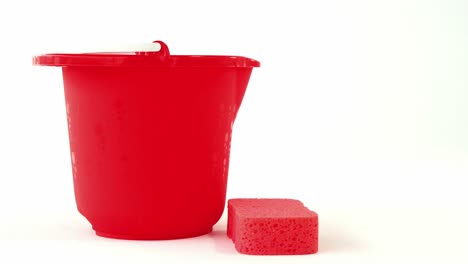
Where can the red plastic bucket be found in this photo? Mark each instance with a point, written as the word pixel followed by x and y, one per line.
pixel 150 138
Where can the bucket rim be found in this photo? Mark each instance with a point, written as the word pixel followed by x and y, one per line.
pixel 135 59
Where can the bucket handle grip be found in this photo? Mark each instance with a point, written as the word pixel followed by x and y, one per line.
pixel 156 48
pixel 162 52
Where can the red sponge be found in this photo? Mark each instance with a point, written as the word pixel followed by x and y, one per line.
pixel 272 227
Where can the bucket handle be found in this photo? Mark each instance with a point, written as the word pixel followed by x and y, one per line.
pixel 162 52
pixel 155 48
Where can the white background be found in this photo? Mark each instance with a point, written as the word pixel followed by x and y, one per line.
pixel 358 110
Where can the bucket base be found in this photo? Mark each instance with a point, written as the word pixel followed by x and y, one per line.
pixel 153 237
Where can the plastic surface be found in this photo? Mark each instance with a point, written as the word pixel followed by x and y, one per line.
pixel 150 145
pixel 161 58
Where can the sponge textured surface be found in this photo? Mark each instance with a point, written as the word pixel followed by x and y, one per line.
pixel 272 227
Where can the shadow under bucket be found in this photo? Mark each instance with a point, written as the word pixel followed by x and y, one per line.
pixel 150 138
